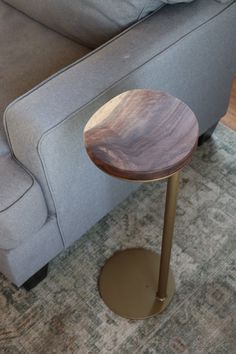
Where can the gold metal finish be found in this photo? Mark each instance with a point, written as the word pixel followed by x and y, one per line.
pixel 169 220
pixel 146 180
pixel 137 283
pixel 128 284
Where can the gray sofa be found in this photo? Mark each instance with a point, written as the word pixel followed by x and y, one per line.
pixel 50 192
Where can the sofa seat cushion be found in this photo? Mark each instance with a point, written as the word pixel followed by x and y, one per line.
pixel 22 207
pixel 30 53
pixel 90 22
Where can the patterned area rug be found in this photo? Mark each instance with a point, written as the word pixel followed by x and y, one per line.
pixel 65 314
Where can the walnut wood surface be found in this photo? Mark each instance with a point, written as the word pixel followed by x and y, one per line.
pixel 230 118
pixel 141 135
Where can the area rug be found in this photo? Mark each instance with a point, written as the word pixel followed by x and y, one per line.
pixel 64 314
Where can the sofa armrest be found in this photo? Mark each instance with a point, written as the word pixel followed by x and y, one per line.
pixel 143 56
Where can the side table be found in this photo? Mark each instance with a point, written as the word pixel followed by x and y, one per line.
pixel 142 136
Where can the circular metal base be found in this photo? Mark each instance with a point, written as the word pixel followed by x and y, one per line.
pixel 128 284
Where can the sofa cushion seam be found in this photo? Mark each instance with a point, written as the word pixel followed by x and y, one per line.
pixel 18 199
pixel 51 190
pixel 46 180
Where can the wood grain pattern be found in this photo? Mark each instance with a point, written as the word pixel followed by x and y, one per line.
pixel 230 118
pixel 141 135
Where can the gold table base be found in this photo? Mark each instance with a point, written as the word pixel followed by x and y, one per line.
pixel 128 284
pixel 137 283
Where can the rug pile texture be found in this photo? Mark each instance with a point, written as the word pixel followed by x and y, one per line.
pixel 64 313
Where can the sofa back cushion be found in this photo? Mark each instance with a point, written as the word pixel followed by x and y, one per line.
pixel 90 22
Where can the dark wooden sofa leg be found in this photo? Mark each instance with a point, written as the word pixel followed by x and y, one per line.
pixel 204 137
pixel 36 278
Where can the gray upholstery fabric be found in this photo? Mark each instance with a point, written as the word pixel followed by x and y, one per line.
pixel 14 182
pixel 29 53
pixel 176 1
pixel 169 51
pixel 22 206
pixel 21 263
pixel 90 22
pixel 82 193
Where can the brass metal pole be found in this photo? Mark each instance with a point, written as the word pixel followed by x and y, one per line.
pixel 169 220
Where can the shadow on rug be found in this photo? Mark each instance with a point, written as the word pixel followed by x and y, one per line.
pixel 64 314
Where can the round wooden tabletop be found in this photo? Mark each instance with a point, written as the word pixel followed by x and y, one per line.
pixel 141 135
